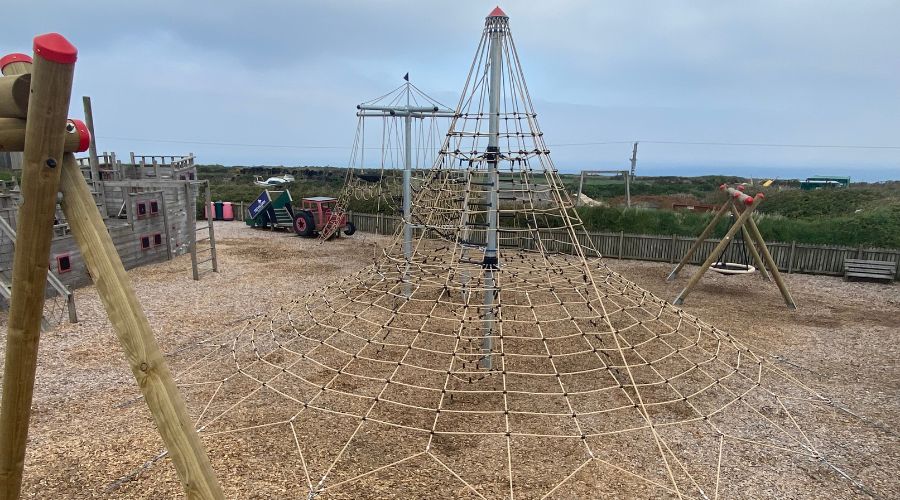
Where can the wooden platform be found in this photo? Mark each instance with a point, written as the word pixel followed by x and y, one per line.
pixel 870 269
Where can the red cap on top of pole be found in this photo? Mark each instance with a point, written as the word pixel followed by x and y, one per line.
pixel 84 135
pixel 13 58
pixel 497 12
pixel 54 47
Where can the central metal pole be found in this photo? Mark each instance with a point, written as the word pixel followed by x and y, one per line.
pixel 407 203
pixel 496 26
pixel 408 112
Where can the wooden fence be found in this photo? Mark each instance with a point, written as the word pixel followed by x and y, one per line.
pixel 790 257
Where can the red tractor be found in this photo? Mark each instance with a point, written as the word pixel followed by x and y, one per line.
pixel 319 213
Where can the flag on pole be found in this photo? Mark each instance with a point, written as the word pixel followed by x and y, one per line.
pixel 406 77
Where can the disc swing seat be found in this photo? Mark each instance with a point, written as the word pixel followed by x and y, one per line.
pixel 721 266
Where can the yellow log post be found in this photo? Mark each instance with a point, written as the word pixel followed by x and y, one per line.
pixel 136 336
pixel 51 87
pixel 749 244
pixel 12 135
pixel 773 267
pixel 14 93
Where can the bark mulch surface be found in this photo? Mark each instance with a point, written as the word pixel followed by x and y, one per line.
pixel 91 434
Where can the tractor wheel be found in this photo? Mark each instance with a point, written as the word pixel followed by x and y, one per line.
pixel 303 224
pixel 349 229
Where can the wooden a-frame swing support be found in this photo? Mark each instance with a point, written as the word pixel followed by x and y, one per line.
pixel 752 239
pixel 50 167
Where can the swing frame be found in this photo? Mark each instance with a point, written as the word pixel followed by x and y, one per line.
pixel 753 242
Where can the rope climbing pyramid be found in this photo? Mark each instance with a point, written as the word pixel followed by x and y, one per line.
pixel 496 356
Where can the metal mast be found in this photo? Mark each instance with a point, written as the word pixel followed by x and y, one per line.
pixel 407 112
pixel 497 24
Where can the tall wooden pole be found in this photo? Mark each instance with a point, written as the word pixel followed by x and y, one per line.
pixel 749 243
pixel 773 267
pixel 211 228
pixel 634 159
pixel 51 87
pixel 92 151
pixel 136 336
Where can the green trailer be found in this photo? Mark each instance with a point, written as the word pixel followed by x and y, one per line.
pixel 271 209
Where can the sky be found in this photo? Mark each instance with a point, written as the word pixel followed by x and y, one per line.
pixel 276 82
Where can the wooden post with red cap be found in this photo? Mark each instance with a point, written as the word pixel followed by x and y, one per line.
pixel 749 242
pixel 44 141
pixel 15 64
pixel 123 308
pixel 12 135
pixel 699 241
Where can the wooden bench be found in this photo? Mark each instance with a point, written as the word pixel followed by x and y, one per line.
pixel 869 269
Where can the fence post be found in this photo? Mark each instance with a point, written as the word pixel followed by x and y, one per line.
pixel 621 243
pixel 672 253
pixel 859 252
pixel 791 257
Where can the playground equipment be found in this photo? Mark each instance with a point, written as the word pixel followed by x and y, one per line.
pixel 625 174
pixel 47 170
pixel 501 358
pixel 421 118
pixel 276 210
pixel 750 240
pixel 271 209
pixel 316 213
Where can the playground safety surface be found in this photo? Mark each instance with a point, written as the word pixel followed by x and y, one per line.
pixel 92 436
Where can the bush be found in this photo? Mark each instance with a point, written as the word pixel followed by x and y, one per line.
pixel 874 228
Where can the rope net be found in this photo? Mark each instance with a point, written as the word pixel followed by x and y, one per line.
pixel 444 373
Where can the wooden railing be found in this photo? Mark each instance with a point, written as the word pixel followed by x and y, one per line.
pixel 790 257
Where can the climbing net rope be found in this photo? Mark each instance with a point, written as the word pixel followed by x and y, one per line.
pixel 438 373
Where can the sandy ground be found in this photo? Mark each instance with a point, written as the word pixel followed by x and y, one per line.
pixel 90 429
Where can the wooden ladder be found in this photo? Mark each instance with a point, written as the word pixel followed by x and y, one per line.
pixel 332 226
pixel 203 247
